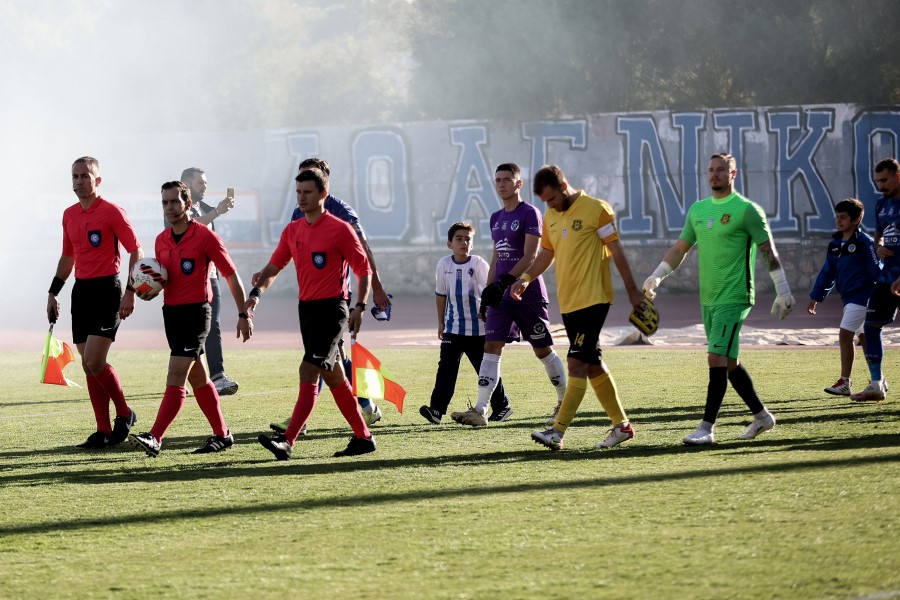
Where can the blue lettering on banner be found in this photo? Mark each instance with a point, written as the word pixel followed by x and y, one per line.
pixel 876 135
pixel 472 195
pixel 380 184
pixel 642 138
pixel 795 159
pixel 542 132
pixel 301 147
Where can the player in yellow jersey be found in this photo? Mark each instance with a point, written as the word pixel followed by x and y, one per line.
pixel 580 237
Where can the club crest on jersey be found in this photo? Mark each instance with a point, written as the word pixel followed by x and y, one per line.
pixel 318 260
pixel 94 238
pixel 726 219
pixel 576 225
pixel 187 265
pixel 851 248
pixel 515 225
pixel 471 272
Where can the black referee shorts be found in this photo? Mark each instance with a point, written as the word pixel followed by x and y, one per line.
pixel 323 324
pixel 187 326
pixel 95 308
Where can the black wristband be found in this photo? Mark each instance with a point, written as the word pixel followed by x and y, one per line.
pixel 255 292
pixel 56 285
pixel 507 280
pixel 243 316
pixel 361 305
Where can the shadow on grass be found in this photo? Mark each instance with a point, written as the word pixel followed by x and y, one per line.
pixel 80 400
pixel 213 471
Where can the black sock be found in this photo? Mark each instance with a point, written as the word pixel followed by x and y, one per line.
pixel 715 392
pixel 743 385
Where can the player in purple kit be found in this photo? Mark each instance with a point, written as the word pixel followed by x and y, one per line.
pixel 882 306
pixel 516 231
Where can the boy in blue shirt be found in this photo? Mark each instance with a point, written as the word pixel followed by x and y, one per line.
pixel 459 281
pixel 851 266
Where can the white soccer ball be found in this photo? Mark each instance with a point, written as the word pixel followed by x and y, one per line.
pixel 149 278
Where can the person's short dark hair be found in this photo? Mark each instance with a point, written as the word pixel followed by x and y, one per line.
pixel 852 207
pixel 90 161
pixel 184 192
pixel 547 176
pixel 511 167
pixel 187 175
pixel 888 164
pixel 457 226
pixel 316 175
pixel 316 163
pixel 732 163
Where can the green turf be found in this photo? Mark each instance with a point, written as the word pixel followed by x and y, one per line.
pixel 808 510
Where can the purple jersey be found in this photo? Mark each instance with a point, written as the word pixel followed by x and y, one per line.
pixel 508 230
pixel 887 224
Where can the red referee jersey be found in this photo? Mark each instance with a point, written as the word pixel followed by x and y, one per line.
pixel 320 252
pixel 187 263
pixel 93 236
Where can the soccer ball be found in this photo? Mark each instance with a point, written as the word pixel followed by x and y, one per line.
pixel 149 278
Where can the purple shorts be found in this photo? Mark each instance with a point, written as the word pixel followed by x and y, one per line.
pixel 507 321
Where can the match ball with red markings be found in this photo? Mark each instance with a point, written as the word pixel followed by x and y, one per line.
pixel 149 278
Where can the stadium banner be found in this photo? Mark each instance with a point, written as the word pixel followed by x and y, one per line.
pixel 410 181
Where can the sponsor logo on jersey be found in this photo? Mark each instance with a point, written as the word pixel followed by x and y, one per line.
pixel 187 265
pixel 726 219
pixel 318 260
pixel 94 238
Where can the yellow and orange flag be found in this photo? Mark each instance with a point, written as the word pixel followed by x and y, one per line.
pixel 371 380
pixel 57 354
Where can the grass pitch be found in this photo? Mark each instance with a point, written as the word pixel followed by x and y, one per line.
pixel 808 510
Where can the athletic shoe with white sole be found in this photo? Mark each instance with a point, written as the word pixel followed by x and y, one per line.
pixel 277 445
pixel 874 392
pixel 551 438
pixel 552 420
pixel 96 440
pixel 225 386
pixel 470 417
pixel 757 427
pixel 431 415
pixel 216 443
pixel 498 416
pixel 372 417
pixel 121 427
pixel 617 435
pixel 282 427
pixel 357 446
pixel 701 437
pixel 841 387
pixel 146 442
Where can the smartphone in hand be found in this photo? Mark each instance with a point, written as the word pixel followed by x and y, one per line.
pixel 230 193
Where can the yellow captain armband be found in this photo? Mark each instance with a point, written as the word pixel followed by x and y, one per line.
pixel 526 277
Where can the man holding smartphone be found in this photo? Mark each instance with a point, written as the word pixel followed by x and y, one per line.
pixel 204 213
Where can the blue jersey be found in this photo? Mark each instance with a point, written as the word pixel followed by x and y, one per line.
pixel 851 267
pixel 887 225
pixel 461 284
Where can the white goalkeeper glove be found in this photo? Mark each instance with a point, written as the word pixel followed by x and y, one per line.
pixel 662 271
pixel 784 301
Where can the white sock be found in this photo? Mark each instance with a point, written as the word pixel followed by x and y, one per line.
pixel 488 375
pixel 556 372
